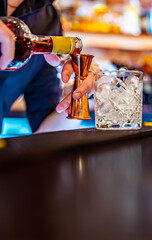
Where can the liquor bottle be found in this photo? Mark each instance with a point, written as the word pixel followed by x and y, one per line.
pixel 27 44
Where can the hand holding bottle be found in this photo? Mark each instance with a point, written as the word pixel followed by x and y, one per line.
pixel 7 44
pixel 28 44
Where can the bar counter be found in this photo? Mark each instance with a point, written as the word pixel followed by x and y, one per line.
pixel 83 184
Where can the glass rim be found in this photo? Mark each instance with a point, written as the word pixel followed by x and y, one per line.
pixel 132 72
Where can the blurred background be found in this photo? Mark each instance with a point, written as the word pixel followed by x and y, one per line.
pixel 117 32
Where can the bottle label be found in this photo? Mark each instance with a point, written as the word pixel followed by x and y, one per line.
pixel 63 45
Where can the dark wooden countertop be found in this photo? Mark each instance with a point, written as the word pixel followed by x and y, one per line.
pixel 83 184
pixel 42 145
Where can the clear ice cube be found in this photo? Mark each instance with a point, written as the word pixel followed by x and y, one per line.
pixel 105 108
pixel 105 80
pixel 103 92
pixel 132 82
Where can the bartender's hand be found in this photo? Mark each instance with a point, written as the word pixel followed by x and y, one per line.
pixel 7 45
pixel 67 70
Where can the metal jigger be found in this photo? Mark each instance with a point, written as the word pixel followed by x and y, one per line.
pixel 79 109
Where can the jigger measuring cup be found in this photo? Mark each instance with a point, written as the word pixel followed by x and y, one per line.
pixel 79 108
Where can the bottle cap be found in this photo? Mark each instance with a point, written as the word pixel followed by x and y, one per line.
pixel 63 45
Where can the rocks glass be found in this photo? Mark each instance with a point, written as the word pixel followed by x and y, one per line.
pixel 118 100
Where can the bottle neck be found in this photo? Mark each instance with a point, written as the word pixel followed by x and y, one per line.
pixel 41 44
pixel 56 45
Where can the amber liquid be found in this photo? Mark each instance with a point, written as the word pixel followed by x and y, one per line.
pixel 25 48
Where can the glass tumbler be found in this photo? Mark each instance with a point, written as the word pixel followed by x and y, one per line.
pixel 118 100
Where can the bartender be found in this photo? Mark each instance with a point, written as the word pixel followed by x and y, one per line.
pixel 37 80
